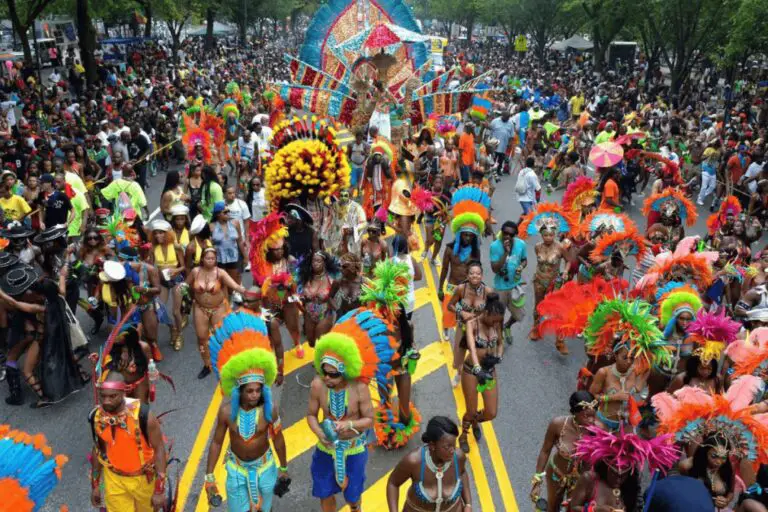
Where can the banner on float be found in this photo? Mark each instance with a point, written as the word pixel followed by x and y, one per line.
pixel 438 47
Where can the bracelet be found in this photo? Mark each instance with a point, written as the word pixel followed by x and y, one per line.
pixel 538 477
pixel 283 469
pixel 160 483
pixel 210 478
pixel 95 480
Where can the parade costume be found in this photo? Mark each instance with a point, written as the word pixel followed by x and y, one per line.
pixel 407 202
pixel 194 136
pixel 470 210
pixel 377 185
pixel 729 207
pixel 361 346
pixel 692 414
pixel 580 193
pixel 241 353
pixel 684 265
pixel 28 472
pixel 626 243
pixel 308 163
pixel 750 355
pixel 670 203
pixel 267 233
pixel 711 333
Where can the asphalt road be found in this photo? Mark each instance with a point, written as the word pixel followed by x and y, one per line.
pixel 534 382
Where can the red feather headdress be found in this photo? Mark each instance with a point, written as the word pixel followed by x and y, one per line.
pixel 729 206
pixel 580 192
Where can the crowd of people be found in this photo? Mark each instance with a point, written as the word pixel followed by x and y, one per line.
pixel 673 320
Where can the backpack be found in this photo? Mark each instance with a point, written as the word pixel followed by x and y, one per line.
pixel 122 202
pixel 521 185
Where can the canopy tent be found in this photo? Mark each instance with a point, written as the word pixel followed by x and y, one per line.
pixel 219 29
pixel 574 43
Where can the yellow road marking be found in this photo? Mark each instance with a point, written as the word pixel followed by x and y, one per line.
pixel 481 481
pixel 372 497
pixel 299 438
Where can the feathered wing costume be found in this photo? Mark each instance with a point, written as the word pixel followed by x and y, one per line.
pixel 712 333
pixel 547 216
pixel 362 346
pixel 603 221
pixel 565 311
pixel 28 472
pixel 684 265
pixel 692 414
pixel 627 243
pixel 750 355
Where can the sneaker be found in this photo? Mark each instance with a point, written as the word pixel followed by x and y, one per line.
pixel 700 203
pixel 248 267
pixel 507 333
pixel 237 298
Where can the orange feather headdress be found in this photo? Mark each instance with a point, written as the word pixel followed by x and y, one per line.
pixel 547 216
pixel 671 198
pixel 628 243
pixel 750 356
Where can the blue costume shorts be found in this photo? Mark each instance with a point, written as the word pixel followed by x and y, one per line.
pixel 324 483
pixel 247 481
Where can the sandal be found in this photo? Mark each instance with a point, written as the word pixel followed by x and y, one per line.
pixel 477 431
pixel 38 390
pixel 463 442
pixel 534 334
pixel 561 347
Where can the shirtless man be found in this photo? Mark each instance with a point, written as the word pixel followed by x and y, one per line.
pixel 455 269
pixel 347 403
pixel 251 470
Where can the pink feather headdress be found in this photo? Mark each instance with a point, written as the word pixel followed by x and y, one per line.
pixel 626 451
pixel 750 356
pixel 692 414
pixel 712 332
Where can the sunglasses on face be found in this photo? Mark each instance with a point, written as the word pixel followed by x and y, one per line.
pixel 92 238
pixel 332 375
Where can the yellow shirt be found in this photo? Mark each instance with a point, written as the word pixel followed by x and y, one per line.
pixel 167 260
pixel 15 207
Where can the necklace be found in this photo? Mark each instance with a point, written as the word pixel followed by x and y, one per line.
pixel 621 376
pixel 247 421
pixel 439 473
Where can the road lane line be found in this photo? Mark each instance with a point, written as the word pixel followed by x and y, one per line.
pixel 502 476
pixel 375 496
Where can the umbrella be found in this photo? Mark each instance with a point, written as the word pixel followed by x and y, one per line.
pixel 606 154
pixel 629 137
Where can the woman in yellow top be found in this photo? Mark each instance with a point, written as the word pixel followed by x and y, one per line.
pixel 199 240
pixel 167 257
pixel 179 219
pixel 173 194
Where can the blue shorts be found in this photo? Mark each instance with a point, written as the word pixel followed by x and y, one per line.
pixel 527 206
pixel 324 483
pixel 247 480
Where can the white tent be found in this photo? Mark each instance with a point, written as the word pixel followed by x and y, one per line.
pixel 574 42
pixel 219 29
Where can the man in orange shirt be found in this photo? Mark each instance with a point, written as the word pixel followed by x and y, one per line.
pixel 610 193
pixel 467 152
pixel 128 453
pixel 736 167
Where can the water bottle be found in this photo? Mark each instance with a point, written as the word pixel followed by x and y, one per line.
pixel 329 430
pixel 152 371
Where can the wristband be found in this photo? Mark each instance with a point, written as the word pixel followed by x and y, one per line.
pixel 283 469
pixel 95 480
pixel 538 477
pixel 160 483
pixel 210 478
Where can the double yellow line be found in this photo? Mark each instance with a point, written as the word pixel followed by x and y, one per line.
pixel 300 439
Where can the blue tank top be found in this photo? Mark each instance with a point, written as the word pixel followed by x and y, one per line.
pixel 225 242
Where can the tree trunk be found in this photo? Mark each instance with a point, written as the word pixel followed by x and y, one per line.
pixel 450 31
pixel 87 40
pixel 295 19
pixel 242 29
pixel 20 30
pixel 470 29
pixel 599 56
pixel 210 42
pixel 148 15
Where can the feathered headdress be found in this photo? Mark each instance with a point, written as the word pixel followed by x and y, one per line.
pixel 269 232
pixel 446 127
pixel 308 162
pixel 470 208
pixel 628 243
pixel 712 332
pixel 407 202
pixel 692 414
pixel 228 106
pixel 388 289
pixel 674 300
pixel 603 220
pixel 579 193
pixel 565 311
pixel 729 206
pixel 672 200
pixel 232 88
pixel 750 355
pixel 617 324
pixel 194 136
pixel 28 472
pixel 118 229
pixel 626 451
pixel 214 125
pixel 670 170
pixel 683 265
pixel 549 217
pixel 241 353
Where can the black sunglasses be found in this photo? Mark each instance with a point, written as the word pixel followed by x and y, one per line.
pixel 332 375
pixel 94 237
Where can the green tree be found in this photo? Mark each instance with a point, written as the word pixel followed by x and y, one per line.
pixel 605 19
pixel 687 31
pixel 748 34
pixel 23 16
pixel 176 14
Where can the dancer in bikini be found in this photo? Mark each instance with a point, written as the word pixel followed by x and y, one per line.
pixel 373 248
pixel 437 471
pixel 315 273
pixel 210 286
pixel 167 257
pixel 346 289
pixel 247 368
pixel 559 468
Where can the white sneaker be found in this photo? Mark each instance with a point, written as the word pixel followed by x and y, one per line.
pixel 237 298
pixel 248 267
pixel 700 203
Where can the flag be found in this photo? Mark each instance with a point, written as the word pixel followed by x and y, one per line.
pixel 480 108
